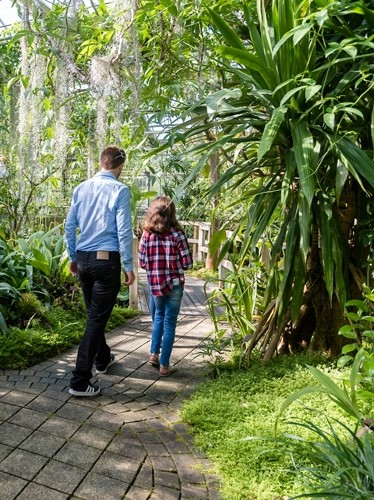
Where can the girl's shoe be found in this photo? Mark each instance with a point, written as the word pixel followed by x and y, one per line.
pixel 165 371
pixel 154 360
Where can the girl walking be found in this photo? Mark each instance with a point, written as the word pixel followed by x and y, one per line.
pixel 164 254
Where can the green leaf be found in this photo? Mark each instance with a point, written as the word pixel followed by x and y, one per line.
pixel 305 220
pixel 303 149
pixel 329 119
pixel 343 361
pixel 360 304
pixel 311 91
pixel 347 329
pixel 216 240
pixel 348 335
pixel 270 131
pixel 3 325
pixel 352 316
pixel 226 31
pixel 252 62
pixel 340 179
pixel 349 348
pixel 338 395
pixel 357 160
pixel 368 366
pixel 217 101
pixel 327 238
pixel 298 286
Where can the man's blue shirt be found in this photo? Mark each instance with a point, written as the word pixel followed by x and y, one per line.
pixel 101 209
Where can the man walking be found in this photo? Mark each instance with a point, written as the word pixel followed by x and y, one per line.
pixel 100 209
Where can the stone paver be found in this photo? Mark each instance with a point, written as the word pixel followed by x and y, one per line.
pixel 127 443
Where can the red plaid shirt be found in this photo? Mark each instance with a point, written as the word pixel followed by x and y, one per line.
pixel 164 257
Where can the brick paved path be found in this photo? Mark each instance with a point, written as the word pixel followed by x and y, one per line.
pixel 126 443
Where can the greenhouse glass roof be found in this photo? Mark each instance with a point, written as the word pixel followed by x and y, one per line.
pixel 9 12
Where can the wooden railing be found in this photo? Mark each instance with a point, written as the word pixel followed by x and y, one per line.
pixel 199 241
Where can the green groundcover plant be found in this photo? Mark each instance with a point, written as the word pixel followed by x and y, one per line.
pixel 226 411
pixel 62 329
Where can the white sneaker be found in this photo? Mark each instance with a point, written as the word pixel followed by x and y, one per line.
pixel 90 391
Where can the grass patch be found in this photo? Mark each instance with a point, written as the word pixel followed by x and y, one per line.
pixel 62 329
pixel 199 271
pixel 225 412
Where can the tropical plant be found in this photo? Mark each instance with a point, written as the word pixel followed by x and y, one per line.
pixel 45 252
pixel 34 267
pixel 15 278
pixel 340 463
pixel 291 125
pixel 361 335
pixel 339 456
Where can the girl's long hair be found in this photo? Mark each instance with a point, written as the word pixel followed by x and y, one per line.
pixel 161 216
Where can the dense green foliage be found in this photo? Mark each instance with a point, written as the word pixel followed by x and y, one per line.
pixel 292 128
pixel 233 420
pixel 225 412
pixel 34 274
pixel 41 307
pixel 59 330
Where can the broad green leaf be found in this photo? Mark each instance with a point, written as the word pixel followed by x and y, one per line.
pixel 216 240
pixel 340 179
pixel 349 348
pixel 303 148
pixel 270 131
pixel 305 220
pixel 370 319
pixel 217 101
pixel 338 395
pixel 329 119
pixel 343 361
pixel 226 31
pixel 348 330
pixel 368 366
pixel 23 244
pixel 352 316
pixel 311 91
pixel 357 159
pixel 360 304
pixel 252 62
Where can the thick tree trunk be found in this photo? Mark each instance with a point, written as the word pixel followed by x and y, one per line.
pixel 329 318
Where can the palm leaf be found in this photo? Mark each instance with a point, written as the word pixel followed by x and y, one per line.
pixel 226 31
pixel 304 156
pixel 298 286
pixel 252 62
pixel 357 159
pixel 270 131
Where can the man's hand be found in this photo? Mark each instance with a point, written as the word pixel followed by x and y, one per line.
pixel 129 278
pixel 74 268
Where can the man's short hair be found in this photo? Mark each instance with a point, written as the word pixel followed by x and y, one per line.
pixel 112 157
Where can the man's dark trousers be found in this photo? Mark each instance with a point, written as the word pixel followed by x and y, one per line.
pixel 101 281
